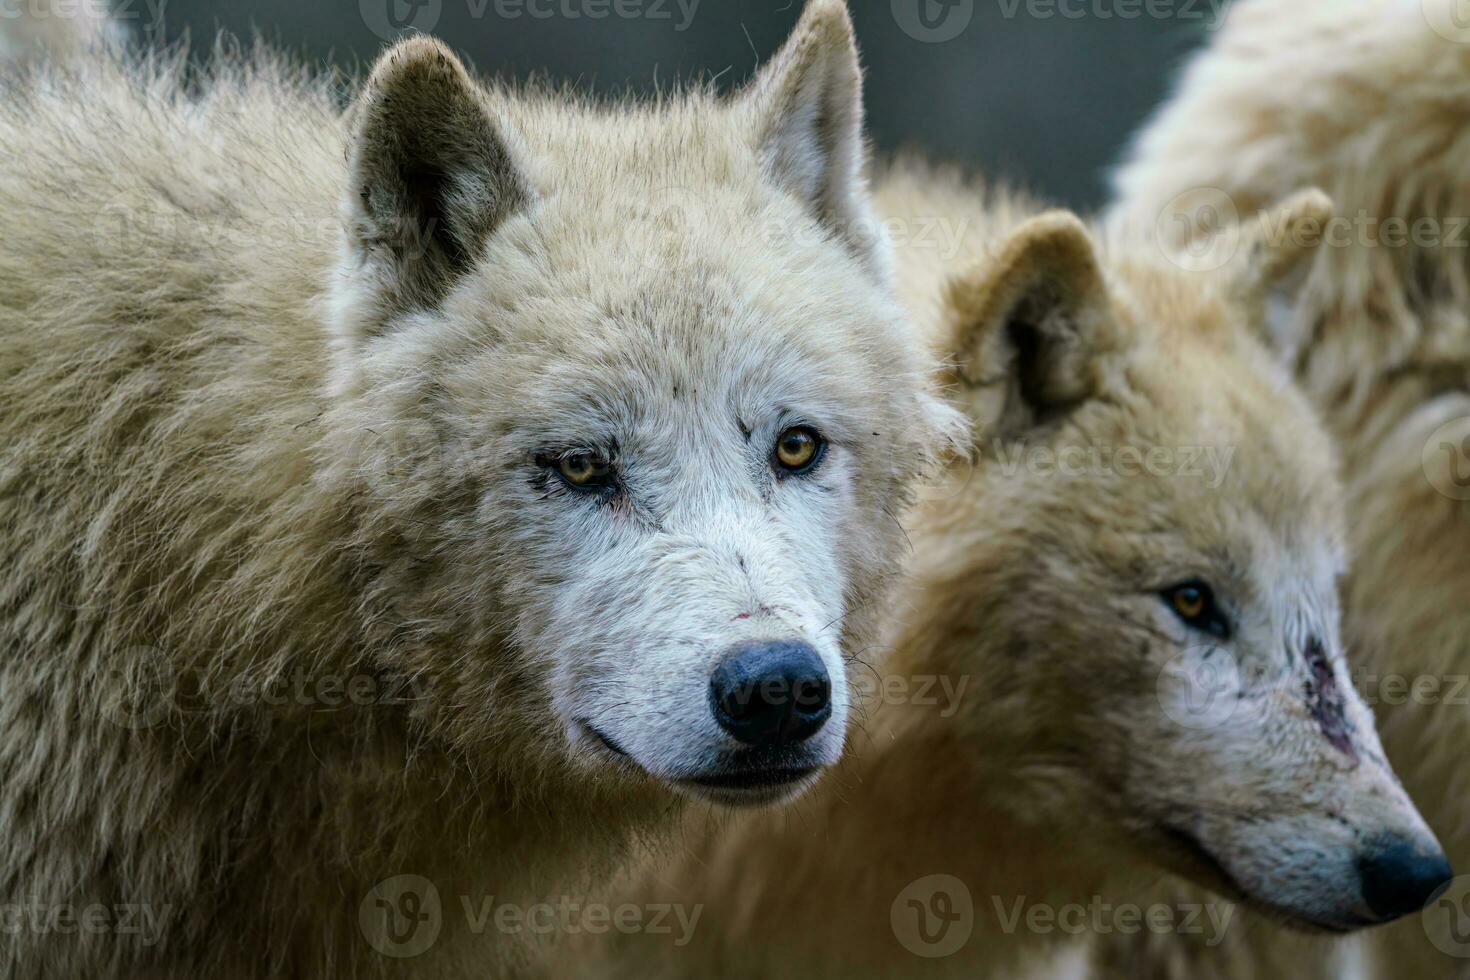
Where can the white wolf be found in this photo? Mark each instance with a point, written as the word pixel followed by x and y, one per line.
pixel 1118 652
pixel 1371 100
pixel 424 491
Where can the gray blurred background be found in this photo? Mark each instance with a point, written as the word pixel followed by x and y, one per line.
pixel 1044 93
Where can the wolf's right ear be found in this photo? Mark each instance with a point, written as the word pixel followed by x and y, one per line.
pixel 431 180
pixel 807 107
pixel 1027 326
pixel 1272 262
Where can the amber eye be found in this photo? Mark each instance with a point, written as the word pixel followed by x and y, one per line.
pixel 1189 603
pixel 799 449
pixel 584 471
pixel 1194 603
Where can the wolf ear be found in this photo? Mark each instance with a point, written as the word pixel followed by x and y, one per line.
pixel 807 105
pixel 1028 326
pixel 1272 262
pixel 431 181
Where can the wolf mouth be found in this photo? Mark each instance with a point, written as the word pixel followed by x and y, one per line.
pixel 1199 858
pixel 607 740
pixel 750 778
pixel 749 787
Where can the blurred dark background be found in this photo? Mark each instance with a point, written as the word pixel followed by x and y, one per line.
pixel 1044 93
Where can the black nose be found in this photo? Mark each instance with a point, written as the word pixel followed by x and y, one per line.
pixel 771 694
pixel 1400 879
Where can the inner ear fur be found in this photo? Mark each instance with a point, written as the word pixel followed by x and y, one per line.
pixel 1028 326
pixel 431 179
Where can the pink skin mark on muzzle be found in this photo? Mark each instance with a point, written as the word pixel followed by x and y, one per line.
pixel 1325 701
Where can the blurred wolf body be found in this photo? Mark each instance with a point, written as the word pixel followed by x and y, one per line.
pixel 1370 99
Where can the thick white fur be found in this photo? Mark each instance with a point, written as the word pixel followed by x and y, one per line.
pixel 1069 767
pixel 248 448
pixel 1368 100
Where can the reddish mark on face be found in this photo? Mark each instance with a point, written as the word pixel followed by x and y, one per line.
pixel 1325 701
pixel 741 616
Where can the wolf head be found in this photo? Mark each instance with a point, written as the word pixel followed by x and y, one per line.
pixel 1157 564
pixel 630 385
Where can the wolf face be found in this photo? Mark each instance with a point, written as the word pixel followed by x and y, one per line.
pixel 1163 589
pixel 644 368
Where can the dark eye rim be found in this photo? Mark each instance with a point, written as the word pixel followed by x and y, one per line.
pixel 1212 620
pixel 603 484
pixel 811 465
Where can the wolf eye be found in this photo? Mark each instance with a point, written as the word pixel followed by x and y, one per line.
pixel 1194 603
pixel 799 450
pixel 581 471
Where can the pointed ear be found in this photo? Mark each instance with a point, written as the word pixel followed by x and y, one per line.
pixel 1029 325
pixel 1272 263
pixel 807 106
pixel 431 180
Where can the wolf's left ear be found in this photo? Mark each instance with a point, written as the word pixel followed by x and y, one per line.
pixel 807 106
pixel 1272 261
pixel 1029 326
pixel 431 179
